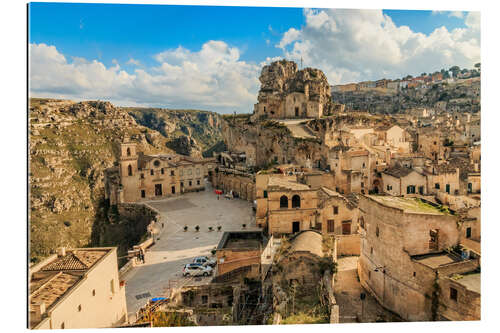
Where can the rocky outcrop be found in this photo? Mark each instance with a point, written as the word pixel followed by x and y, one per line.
pixel 287 92
pixel 188 132
pixel 454 97
pixel 70 146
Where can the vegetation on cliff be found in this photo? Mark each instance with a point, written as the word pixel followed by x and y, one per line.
pixel 70 146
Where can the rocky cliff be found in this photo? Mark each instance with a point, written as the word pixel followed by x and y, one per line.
pixel 462 96
pixel 70 145
pixel 188 132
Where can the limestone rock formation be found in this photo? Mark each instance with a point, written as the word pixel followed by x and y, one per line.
pixel 287 92
pixel 70 146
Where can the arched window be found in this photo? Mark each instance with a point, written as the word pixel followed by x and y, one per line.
pixel 295 201
pixel 128 151
pixel 130 170
pixel 284 201
pixel 362 222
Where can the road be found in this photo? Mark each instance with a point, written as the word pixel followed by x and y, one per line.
pixel 175 247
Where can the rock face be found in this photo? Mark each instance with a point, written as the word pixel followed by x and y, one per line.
pixel 453 97
pixel 287 92
pixel 70 146
pixel 189 132
pixel 185 145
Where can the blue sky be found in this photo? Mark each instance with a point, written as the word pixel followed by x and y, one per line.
pixel 127 39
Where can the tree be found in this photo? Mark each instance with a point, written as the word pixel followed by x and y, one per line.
pixel 423 74
pixel 455 70
pixel 478 66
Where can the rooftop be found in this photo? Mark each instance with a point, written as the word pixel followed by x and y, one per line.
pixel 248 240
pixel 470 281
pixel 435 260
pixel 408 205
pixel 286 184
pixel 308 241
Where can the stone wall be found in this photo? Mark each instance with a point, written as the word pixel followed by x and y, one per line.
pixel 348 245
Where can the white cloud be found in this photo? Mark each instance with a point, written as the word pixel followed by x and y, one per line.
pixel 133 61
pixel 212 78
pixel 457 14
pixel 352 45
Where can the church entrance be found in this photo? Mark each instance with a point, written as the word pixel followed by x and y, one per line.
pixel 158 191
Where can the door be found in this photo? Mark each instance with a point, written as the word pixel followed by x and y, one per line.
pixel 346 227
pixel 296 112
pixel 173 189
pixel 421 189
pixel 158 191
pixel 295 227
pixel 468 232
pixel 448 188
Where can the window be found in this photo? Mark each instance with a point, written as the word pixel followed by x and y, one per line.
pixel 335 210
pixel 436 186
pixel 172 173
pixel 468 232
pixel 189 171
pixel 128 151
pixel 410 189
pixel 377 231
pixel 143 193
pixel 152 172
pixel 389 187
pixel 284 201
pixel 453 294
pixel 112 286
pixel 156 163
pixel 197 182
pixel 197 171
pixel 295 201
pixel 265 194
pixel 80 308
pixel 369 274
pixel 142 175
pixel 331 226
pixel 93 292
pixel 364 165
pixel 190 183
pixel 62 325
pixel 414 274
pixel 448 188
pixel 204 299
pixel 362 222
pixel 362 184
pixel 162 171
pixel 129 170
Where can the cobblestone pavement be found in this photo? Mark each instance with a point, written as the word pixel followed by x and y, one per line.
pixel 175 247
pixel 347 293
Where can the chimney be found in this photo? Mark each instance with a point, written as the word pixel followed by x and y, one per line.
pixel 61 252
pixel 37 313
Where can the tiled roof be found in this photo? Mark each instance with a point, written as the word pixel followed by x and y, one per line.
pixel 73 261
pixel 398 171
pixel 54 288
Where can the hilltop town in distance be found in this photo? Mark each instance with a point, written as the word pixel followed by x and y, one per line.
pixel 326 204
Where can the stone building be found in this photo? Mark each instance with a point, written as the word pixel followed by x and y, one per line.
pixel 141 177
pixel 287 92
pixel 286 204
pixel 402 181
pixel 77 288
pixel 242 251
pixel 407 249
pixel 300 264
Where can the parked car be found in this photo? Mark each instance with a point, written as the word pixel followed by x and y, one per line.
pixel 196 270
pixel 204 261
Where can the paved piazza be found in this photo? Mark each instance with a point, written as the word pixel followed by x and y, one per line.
pixel 174 248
